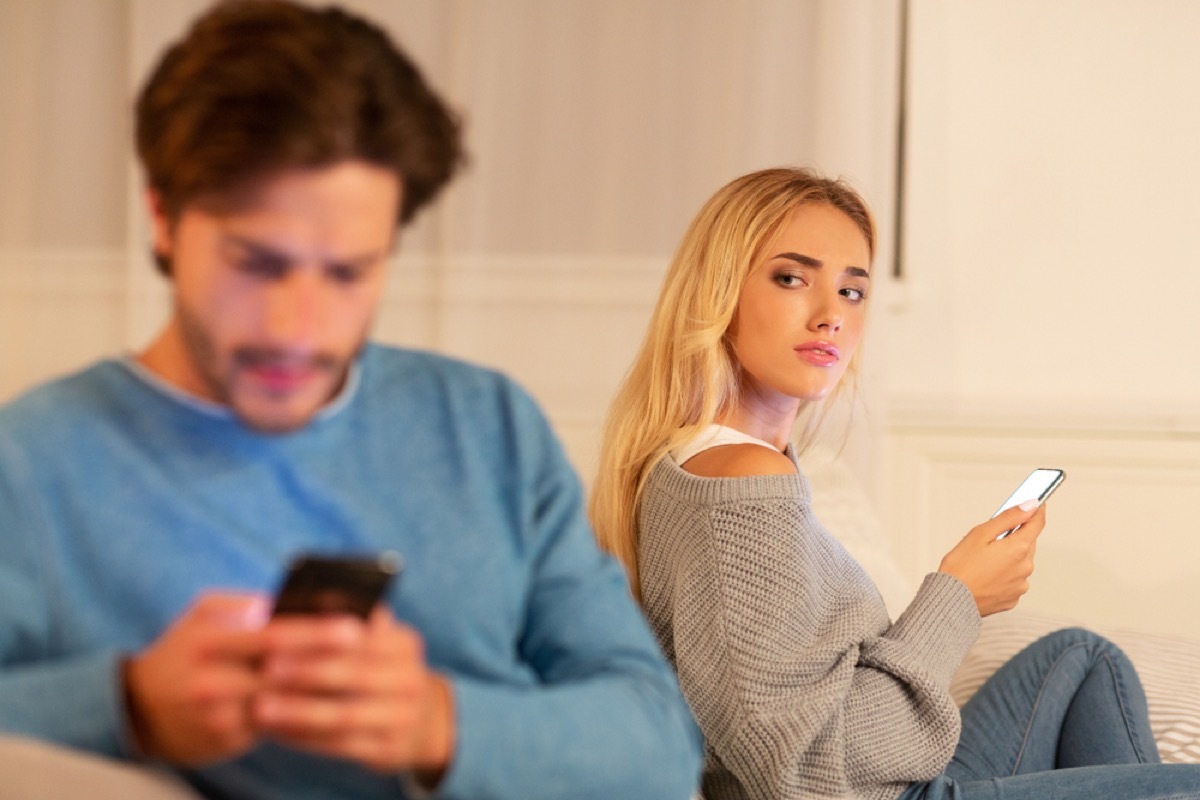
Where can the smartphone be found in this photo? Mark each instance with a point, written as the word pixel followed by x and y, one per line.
pixel 1040 484
pixel 336 584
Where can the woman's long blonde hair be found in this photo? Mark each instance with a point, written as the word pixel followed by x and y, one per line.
pixel 685 374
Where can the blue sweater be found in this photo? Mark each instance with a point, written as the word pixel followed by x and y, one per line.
pixel 120 502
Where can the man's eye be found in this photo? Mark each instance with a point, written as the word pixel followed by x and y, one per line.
pixel 345 273
pixel 262 267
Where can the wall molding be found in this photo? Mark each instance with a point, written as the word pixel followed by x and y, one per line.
pixel 75 271
pixel 1110 554
pixel 1167 420
pixel 516 279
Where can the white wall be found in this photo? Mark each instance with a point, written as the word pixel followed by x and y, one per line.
pixel 63 145
pixel 1054 173
pixel 1048 317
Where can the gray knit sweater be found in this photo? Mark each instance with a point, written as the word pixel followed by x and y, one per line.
pixel 801 684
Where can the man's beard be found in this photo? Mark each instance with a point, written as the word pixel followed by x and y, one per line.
pixel 207 366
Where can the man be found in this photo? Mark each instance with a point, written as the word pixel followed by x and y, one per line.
pixel 149 504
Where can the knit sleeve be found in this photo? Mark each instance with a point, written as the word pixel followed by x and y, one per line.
pixel 73 699
pixel 902 684
pixel 605 718
pixel 787 658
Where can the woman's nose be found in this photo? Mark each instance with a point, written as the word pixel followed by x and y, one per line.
pixel 827 316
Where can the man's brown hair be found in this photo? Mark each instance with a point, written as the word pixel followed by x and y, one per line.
pixel 260 86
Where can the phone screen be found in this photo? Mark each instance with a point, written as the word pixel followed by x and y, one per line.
pixel 317 584
pixel 1038 486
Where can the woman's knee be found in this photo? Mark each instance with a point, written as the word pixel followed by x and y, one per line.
pixel 1073 636
pixel 1087 651
pixel 1091 639
pixel 1068 638
pixel 1079 651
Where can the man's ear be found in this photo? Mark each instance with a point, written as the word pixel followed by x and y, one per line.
pixel 161 230
pixel 160 224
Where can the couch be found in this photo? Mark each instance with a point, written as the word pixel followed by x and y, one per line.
pixel 1169 666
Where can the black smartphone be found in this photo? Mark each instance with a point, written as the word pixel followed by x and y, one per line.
pixel 1040 484
pixel 336 584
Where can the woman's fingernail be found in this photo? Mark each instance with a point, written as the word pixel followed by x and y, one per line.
pixel 1030 504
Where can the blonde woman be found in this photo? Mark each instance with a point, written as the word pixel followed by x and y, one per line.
pixel 801 683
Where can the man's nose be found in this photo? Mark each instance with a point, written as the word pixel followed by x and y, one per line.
pixel 294 308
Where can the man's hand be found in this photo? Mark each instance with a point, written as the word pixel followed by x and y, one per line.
pixel 190 692
pixel 359 691
pixel 997 571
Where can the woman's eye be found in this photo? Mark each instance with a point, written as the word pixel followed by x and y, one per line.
pixel 787 279
pixel 854 295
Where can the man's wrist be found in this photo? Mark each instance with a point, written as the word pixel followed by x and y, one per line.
pixel 437 751
pixel 135 721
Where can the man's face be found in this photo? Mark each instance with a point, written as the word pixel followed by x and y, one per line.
pixel 274 300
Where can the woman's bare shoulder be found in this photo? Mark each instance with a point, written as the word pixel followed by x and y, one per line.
pixel 739 461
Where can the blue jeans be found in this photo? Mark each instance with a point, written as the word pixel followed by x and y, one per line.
pixel 1065 719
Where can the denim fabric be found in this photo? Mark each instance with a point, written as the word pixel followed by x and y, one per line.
pixel 1065 719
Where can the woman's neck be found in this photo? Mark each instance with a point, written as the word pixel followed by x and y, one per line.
pixel 771 425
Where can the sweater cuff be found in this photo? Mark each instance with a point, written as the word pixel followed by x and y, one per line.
pixel 630 738
pixel 474 763
pixel 487 754
pixel 942 622
pixel 78 703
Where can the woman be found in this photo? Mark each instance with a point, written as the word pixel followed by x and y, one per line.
pixel 801 684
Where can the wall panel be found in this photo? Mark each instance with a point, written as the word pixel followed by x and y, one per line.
pixel 1120 542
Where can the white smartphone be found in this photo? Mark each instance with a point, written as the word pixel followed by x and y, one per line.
pixel 1039 485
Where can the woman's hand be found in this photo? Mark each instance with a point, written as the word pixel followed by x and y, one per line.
pixel 997 571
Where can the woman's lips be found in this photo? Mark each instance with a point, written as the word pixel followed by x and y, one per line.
pixel 820 354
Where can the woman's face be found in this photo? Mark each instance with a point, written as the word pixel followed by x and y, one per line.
pixel 802 310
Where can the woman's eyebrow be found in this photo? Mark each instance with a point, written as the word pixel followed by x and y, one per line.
pixel 807 261
pixel 816 263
